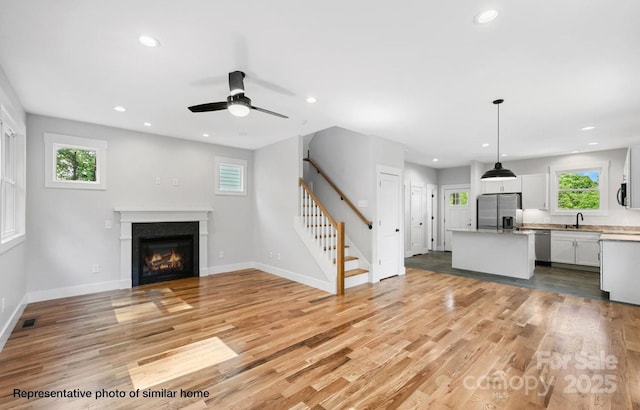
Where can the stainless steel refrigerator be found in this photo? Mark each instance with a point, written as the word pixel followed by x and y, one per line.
pixel 499 211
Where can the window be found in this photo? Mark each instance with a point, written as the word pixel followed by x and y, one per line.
pixel 580 189
pixel 12 182
pixel 72 162
pixel 231 176
pixel 458 198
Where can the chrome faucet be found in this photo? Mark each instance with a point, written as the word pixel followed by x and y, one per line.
pixel 579 214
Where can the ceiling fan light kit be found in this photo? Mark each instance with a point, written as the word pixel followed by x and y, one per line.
pixel 237 103
pixel 498 173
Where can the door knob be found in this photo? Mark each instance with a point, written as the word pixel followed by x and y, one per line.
pixel 397 230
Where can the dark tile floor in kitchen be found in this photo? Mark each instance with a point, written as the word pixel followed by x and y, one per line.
pixel 555 279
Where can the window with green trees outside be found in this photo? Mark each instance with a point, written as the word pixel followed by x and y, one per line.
pixel 579 190
pixel 75 164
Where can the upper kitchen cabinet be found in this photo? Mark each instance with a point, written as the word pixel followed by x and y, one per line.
pixel 509 186
pixel 535 191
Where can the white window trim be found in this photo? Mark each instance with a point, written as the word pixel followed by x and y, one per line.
pixel 19 159
pixel 218 161
pixel 53 142
pixel 603 185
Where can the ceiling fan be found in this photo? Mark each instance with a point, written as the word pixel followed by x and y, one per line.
pixel 237 103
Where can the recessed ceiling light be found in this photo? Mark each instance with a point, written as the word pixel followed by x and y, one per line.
pixel 435 160
pixel 587 128
pixel 147 124
pixel 593 143
pixel 148 41
pixel 311 100
pixel 205 135
pixel 485 145
pixel 486 16
pixel 119 108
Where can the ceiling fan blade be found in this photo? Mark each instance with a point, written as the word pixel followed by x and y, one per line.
pixel 269 112
pixel 214 106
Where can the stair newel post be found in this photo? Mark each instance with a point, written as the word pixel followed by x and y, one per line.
pixel 302 200
pixel 340 257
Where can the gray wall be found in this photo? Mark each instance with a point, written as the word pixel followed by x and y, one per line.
pixel 350 160
pixel 277 170
pixel 66 227
pixel 13 277
pixel 454 176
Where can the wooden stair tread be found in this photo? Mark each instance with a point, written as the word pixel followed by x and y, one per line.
pixel 347 259
pixel 354 272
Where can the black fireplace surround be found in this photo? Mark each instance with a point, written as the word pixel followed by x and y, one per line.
pixel 164 251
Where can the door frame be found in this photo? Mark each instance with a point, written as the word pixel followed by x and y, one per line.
pixel 443 208
pixel 384 169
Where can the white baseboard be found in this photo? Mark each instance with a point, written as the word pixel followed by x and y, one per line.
pixel 296 277
pixel 49 294
pixel 11 323
pixel 214 270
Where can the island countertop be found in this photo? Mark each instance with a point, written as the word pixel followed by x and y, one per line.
pixel 496 231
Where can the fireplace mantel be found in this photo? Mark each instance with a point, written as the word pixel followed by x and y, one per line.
pixel 130 216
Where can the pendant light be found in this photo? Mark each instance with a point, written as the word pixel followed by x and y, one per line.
pixel 498 173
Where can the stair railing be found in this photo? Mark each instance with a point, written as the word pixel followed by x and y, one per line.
pixel 340 193
pixel 326 231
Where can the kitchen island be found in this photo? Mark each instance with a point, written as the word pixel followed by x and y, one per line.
pixel 499 252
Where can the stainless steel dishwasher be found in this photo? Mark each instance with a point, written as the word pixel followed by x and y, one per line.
pixel 543 246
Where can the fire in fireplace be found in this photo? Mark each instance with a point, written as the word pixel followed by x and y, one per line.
pixel 164 251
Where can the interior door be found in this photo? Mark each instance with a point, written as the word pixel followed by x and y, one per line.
pixel 389 222
pixel 417 219
pixel 456 212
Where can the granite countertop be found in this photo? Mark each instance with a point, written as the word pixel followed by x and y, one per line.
pixel 623 237
pixel 496 231
pixel 608 229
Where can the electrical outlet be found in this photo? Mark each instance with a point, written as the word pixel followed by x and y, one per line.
pixel 158 180
pixel 174 181
pixel 95 268
pixel 278 256
pixel 221 254
pixel 2 305
pixel 271 255
pixel 107 224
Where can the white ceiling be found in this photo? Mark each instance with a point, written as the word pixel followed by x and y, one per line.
pixel 421 73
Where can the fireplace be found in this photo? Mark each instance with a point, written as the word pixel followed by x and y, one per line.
pixel 164 251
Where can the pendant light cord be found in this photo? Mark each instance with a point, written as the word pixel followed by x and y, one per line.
pixel 498 158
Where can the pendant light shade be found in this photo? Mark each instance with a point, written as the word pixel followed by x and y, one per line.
pixel 498 173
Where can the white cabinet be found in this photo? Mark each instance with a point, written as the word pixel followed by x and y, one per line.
pixel 535 191
pixel 576 248
pixel 509 186
pixel 619 270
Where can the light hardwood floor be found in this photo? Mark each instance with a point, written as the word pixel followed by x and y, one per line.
pixel 249 340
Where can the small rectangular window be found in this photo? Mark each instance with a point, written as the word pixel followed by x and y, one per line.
pixel 231 178
pixel 73 162
pixel 458 198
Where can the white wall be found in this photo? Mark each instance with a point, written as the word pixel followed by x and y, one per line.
pixel 454 176
pixel 66 227
pixel 278 249
pixel 617 214
pixel 13 277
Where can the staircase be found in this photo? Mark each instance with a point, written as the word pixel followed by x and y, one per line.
pixel 325 239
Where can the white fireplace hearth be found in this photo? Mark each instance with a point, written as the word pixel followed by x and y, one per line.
pixel 129 216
